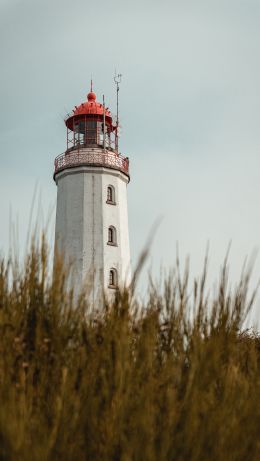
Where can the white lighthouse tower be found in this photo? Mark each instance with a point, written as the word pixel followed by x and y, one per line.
pixel 91 218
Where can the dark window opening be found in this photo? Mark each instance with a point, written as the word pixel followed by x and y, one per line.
pixel 111 195
pixel 112 236
pixel 112 283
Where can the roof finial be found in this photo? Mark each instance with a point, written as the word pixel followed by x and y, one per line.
pixel 91 85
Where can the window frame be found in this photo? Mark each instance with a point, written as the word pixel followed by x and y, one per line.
pixel 113 241
pixel 113 273
pixel 113 195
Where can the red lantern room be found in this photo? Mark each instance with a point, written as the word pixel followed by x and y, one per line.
pixel 92 138
pixel 85 125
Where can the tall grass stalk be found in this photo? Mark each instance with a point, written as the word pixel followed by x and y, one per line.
pixel 175 378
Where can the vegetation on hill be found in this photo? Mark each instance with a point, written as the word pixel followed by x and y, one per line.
pixel 174 379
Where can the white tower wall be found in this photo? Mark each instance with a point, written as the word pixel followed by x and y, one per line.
pixel 83 218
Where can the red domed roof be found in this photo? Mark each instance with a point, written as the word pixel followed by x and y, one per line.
pixel 89 107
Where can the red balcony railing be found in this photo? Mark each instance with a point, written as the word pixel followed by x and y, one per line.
pixel 92 157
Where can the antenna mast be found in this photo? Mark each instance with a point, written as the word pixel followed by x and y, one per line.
pixel 117 80
pixel 104 123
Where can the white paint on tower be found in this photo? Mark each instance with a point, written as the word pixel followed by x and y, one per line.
pixel 92 218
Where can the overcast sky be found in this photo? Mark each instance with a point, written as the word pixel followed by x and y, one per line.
pixel 189 109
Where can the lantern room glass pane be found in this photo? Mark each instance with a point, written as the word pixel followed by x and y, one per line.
pixel 79 127
pixel 91 124
pixel 86 131
pixel 91 132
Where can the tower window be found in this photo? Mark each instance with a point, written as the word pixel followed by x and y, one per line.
pixel 112 282
pixel 111 195
pixel 112 236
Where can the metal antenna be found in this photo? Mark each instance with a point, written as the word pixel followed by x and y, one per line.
pixel 104 123
pixel 117 80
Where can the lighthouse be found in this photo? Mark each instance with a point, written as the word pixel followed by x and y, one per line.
pixel 91 217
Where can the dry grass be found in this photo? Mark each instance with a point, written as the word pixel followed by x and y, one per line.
pixel 176 379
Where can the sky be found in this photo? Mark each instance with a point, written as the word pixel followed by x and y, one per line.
pixel 189 111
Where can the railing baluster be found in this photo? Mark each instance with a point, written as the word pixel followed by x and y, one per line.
pixel 80 158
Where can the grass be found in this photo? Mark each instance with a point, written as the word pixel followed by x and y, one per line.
pixel 175 378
